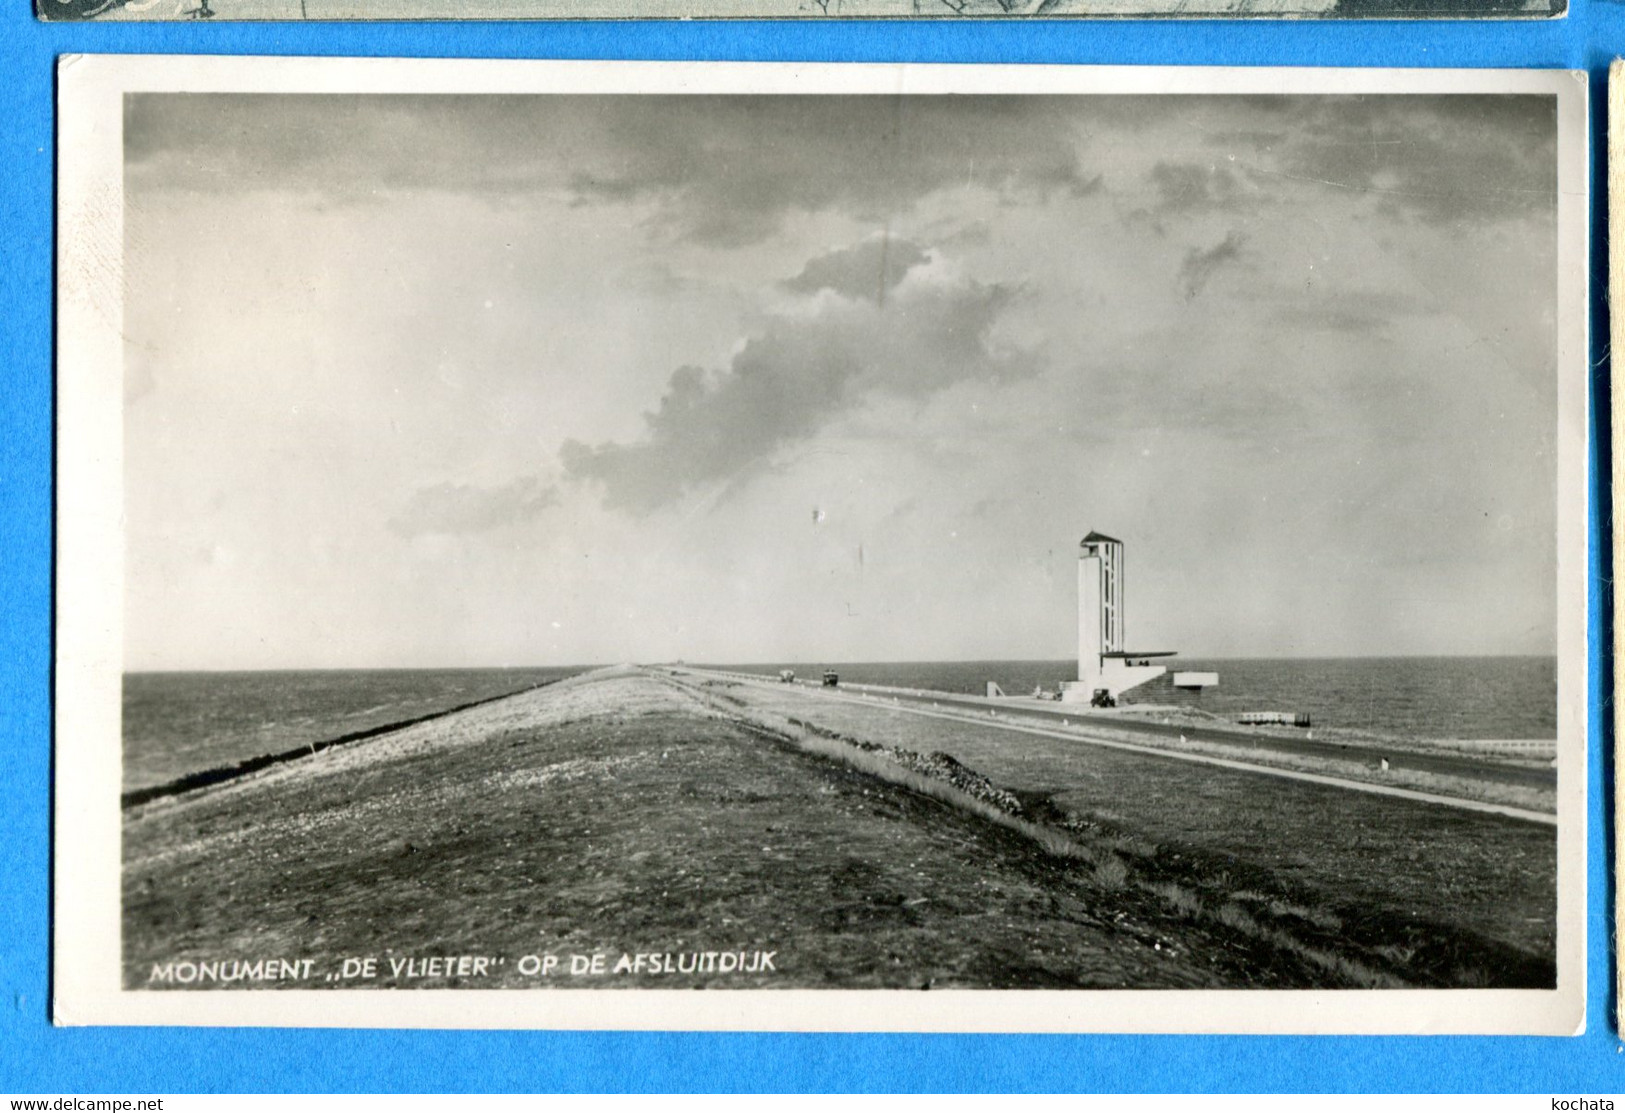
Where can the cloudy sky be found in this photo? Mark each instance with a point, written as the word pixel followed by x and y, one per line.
pixel 548 380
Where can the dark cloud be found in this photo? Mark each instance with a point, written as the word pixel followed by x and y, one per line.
pixel 727 170
pixel 1357 313
pixel 792 378
pixel 1194 187
pixel 723 170
pixel 1357 322
pixel 865 270
pixel 1434 158
pixel 985 506
pixel 976 233
pixel 652 277
pixel 1090 187
pixel 1202 263
pixel 462 508
pixel 1440 159
pixel 908 506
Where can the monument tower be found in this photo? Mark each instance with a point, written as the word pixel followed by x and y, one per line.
pixel 1100 595
pixel 1105 668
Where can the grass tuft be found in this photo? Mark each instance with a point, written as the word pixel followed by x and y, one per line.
pixel 1111 872
pixel 1180 900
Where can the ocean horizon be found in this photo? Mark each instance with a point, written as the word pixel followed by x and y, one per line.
pixel 179 722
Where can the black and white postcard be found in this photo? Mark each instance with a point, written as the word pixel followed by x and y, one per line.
pixel 894 547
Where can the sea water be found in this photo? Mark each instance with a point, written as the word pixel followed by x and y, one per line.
pixel 1419 697
pixel 182 722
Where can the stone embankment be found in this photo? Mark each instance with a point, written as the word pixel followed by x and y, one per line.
pixel 633 812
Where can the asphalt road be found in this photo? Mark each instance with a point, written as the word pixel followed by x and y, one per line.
pixel 1450 764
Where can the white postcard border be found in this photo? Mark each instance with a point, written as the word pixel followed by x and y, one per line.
pixel 89 593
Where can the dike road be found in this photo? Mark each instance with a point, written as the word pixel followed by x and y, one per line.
pixel 650 811
pixel 1039 711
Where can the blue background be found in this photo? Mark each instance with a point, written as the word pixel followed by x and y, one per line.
pixel 34 1057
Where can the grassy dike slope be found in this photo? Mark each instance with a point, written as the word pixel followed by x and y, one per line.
pixel 632 811
pixel 1450 896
